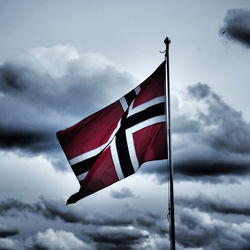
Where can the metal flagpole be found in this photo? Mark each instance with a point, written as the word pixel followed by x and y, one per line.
pixel 169 144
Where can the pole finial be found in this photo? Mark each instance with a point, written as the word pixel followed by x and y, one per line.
pixel 167 41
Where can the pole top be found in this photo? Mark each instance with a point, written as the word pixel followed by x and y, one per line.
pixel 167 41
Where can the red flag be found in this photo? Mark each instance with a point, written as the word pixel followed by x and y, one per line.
pixel 115 141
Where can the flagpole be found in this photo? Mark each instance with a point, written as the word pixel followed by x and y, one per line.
pixel 169 143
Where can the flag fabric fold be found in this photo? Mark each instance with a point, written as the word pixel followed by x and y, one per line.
pixel 114 142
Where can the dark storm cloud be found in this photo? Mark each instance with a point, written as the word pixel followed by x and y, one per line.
pixel 122 194
pixel 209 170
pixel 200 170
pixel 215 204
pixel 237 26
pixel 6 231
pixel 51 89
pixel 115 238
pixel 27 140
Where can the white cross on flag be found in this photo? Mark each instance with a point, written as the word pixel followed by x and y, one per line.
pixel 115 141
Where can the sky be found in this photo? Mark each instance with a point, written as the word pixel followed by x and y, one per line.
pixel 61 61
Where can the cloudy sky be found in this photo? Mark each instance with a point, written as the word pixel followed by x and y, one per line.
pixel 62 60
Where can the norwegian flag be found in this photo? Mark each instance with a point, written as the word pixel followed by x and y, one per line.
pixel 115 141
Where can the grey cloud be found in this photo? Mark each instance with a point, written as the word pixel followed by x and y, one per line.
pixel 147 220
pixel 237 26
pixel 192 228
pixel 48 209
pixel 231 131
pixel 10 244
pixel 53 210
pixel 122 194
pixel 153 223
pixel 51 90
pixel 183 124
pixel 128 230
pixel 157 169
pixel 196 229
pixel 12 204
pixel 55 239
pixel 216 204
pixel 9 78
pixel 199 90
pixel 103 238
pixel 48 240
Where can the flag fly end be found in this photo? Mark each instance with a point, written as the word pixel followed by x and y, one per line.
pixel 74 198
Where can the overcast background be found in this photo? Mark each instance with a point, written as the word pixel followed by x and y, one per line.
pixel 63 60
